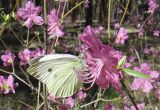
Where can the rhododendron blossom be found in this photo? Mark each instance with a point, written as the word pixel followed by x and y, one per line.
pixel 109 107
pixel 116 25
pixel 144 84
pixel 121 36
pixel 30 13
pixel 140 107
pixel 52 98
pixel 7 85
pixel 141 32
pixel 81 95
pixel 7 58
pixel 99 58
pixel 70 102
pixel 54 26
pixel 118 55
pixel 38 52
pixel 25 56
pixel 152 6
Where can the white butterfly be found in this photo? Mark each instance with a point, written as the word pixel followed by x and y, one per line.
pixel 58 72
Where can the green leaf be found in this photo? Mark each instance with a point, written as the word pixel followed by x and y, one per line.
pixel 135 73
pixel 131 29
pixel 121 62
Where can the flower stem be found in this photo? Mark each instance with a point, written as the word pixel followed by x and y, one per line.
pixel 27 44
pixel 97 100
pixel 109 17
pixel 38 95
pixel 5 45
pixel 125 11
pixel 127 92
pixel 46 48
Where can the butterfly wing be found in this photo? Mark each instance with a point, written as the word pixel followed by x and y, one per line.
pixel 58 72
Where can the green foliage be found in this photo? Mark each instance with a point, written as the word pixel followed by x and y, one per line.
pixel 134 73
pixel 121 62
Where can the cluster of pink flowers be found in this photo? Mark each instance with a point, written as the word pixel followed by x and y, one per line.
pixel 121 36
pixel 152 6
pixel 99 58
pixel 27 55
pixel 151 51
pixel 70 102
pixel 30 13
pixel 109 107
pixel 54 26
pixel 24 56
pixel 140 107
pixel 7 85
pixel 7 58
pixel 144 84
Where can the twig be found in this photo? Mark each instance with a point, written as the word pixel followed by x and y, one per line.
pixel 105 100
pixel 39 88
pixel 26 104
pixel 17 37
pixel 127 91
pixel 109 18
pixel 27 40
pixel 125 11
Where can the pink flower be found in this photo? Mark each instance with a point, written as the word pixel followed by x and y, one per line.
pixel 99 30
pixel 152 6
pixel 87 3
pixel 100 61
pixel 7 58
pixel 116 26
pixel 153 51
pixel 63 107
pixel 132 59
pixel 121 36
pixel 38 52
pixel 144 84
pixel 7 85
pixel 70 102
pixel 146 51
pixel 141 32
pixel 156 33
pixel 54 28
pixel 81 95
pixel 117 54
pixel 25 56
pixel 109 107
pixel 140 107
pixel 30 13
pixel 52 98
pixel 2 80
